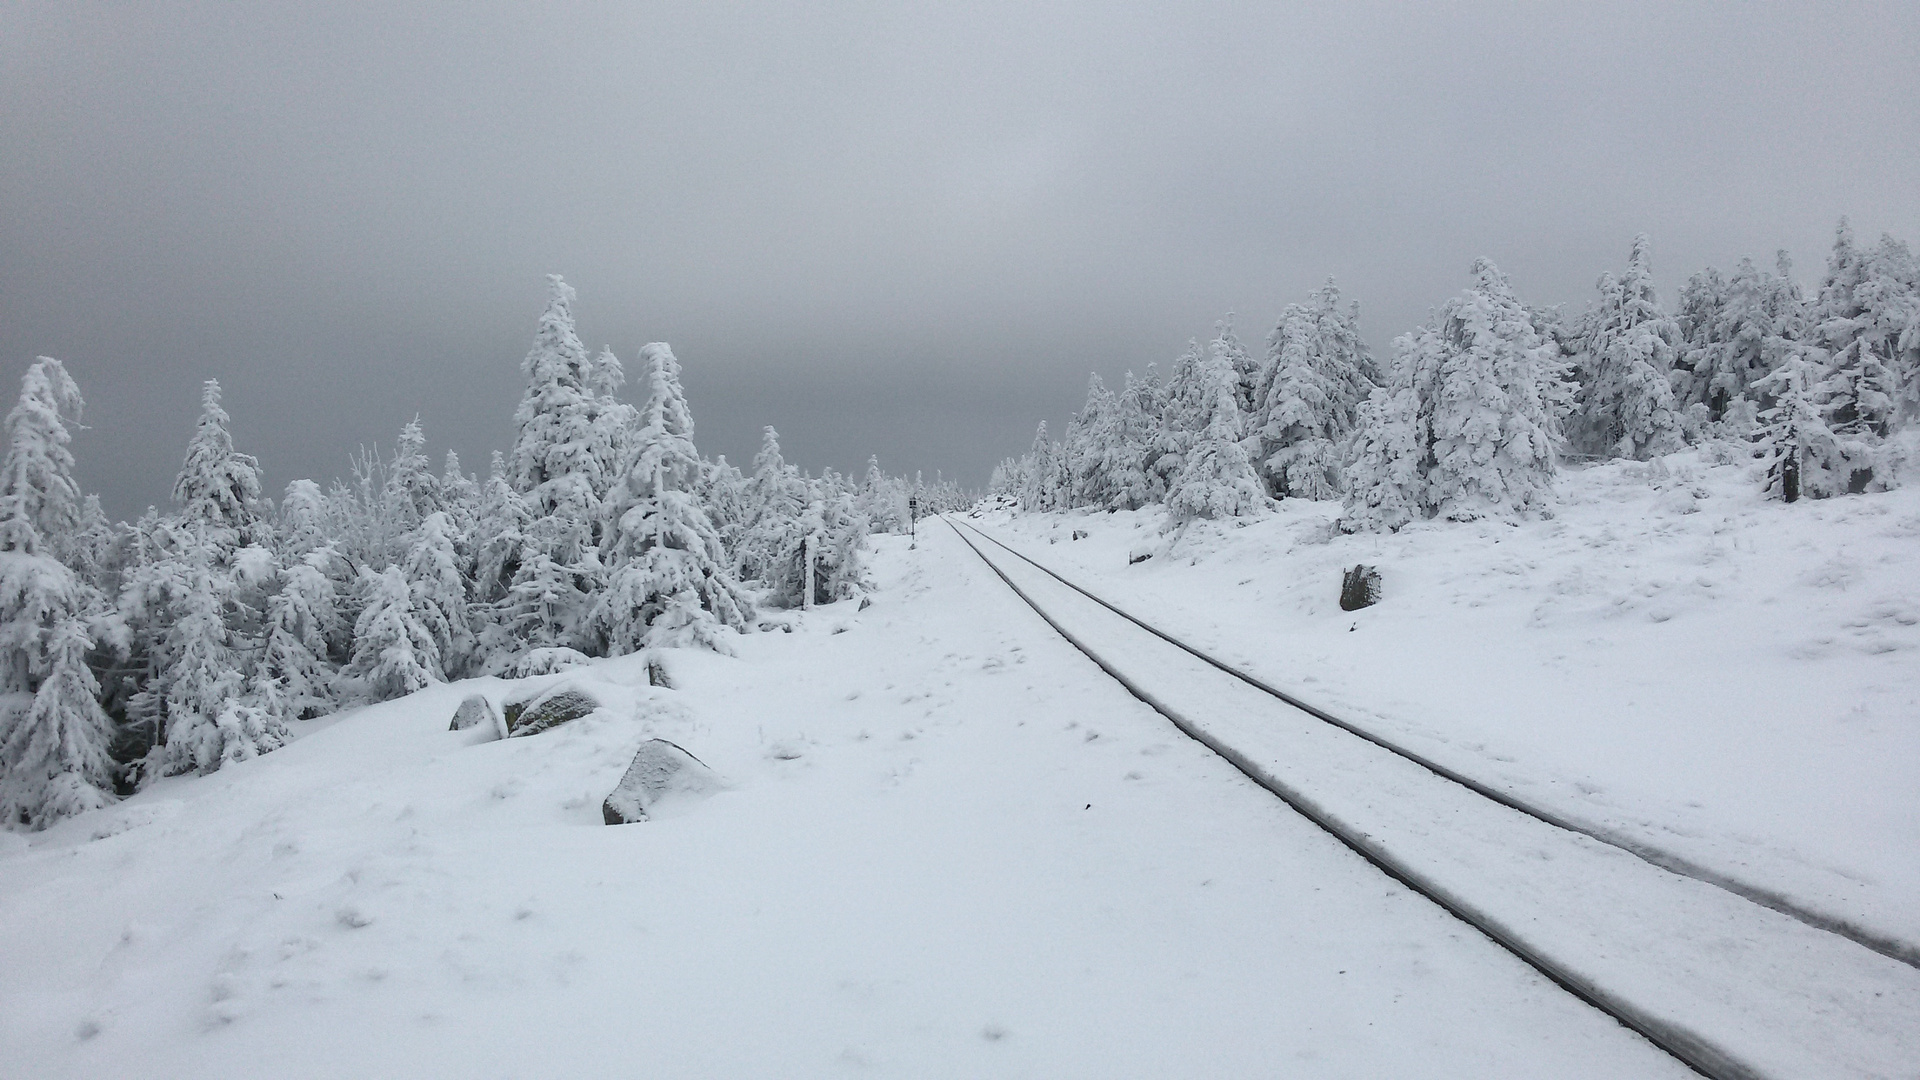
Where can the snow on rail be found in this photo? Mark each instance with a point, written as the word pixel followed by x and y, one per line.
pixel 1885 944
pixel 1733 988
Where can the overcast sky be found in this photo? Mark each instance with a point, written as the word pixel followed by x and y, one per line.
pixel 892 228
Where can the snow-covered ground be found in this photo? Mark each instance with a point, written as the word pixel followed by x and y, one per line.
pixel 950 847
pixel 1735 680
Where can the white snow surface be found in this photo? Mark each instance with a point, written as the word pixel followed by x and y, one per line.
pixel 1728 678
pixel 948 846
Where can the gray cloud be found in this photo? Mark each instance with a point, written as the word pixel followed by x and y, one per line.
pixel 902 229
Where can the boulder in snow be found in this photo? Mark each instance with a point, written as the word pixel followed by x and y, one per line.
pixel 477 712
pixel 1359 587
pixel 660 772
pixel 550 710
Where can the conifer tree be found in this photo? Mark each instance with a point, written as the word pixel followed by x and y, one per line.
pixel 54 736
pixel 1803 454
pixel 1736 331
pixel 1215 480
pixel 556 463
pixel 218 487
pixel 1864 318
pixel 1130 453
pixel 775 497
pixel 670 582
pixel 1626 406
pixel 439 592
pixel 1043 475
pixel 412 491
pixel 1308 399
pixel 210 721
pixel 394 652
pixel 302 626
pixel 1464 430
pixel 1090 436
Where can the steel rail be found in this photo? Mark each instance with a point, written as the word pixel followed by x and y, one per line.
pixel 1886 945
pixel 1688 1047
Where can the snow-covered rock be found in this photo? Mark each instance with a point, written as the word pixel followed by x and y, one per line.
pixel 661 772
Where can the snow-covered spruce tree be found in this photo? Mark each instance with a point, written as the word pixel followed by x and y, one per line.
pixel 218 488
pixel 1736 331
pixel 1042 490
pixel 54 737
pixel 1803 455
pixel 1385 488
pixel 774 497
pixel 1465 406
pixel 559 458
pixel 413 491
pixel 460 496
pixel 1307 403
pixel 1184 403
pixel 1090 438
pixel 670 582
pixel 1626 406
pixel 1490 437
pixel 1246 370
pixel 394 653
pixel 1216 479
pixel 499 534
pixel 722 490
pixel 882 500
pixel 439 591
pixel 37 489
pixel 831 532
pixel 1865 319
pixel 1135 441
pixel 303 630
pixel 211 718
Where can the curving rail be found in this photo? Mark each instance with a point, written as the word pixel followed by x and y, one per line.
pixel 1730 1018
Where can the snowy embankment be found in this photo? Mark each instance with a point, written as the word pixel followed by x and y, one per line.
pixel 1732 679
pixel 949 846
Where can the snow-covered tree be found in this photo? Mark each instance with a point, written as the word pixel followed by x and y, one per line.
pixel 394 652
pixel 1802 453
pixel 40 503
pixel 1042 490
pixel 774 498
pixel 218 487
pixel 1090 435
pixel 557 463
pixel 670 582
pixel 439 592
pixel 1385 487
pixel 302 629
pixel 1465 405
pixel 1865 319
pixel 1130 452
pixel 829 532
pixel 412 490
pixel 1736 331
pixel 54 737
pixel 211 720
pixel 1626 406
pixel 1307 402
pixel 1216 479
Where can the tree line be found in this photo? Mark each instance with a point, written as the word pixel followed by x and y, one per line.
pixel 1479 407
pixel 193 637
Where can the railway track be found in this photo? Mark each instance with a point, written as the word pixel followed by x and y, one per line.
pixel 1708 970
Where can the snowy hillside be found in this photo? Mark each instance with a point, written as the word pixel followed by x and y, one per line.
pixel 1732 678
pixel 949 847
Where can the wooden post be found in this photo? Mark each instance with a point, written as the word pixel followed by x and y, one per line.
pixel 806 548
